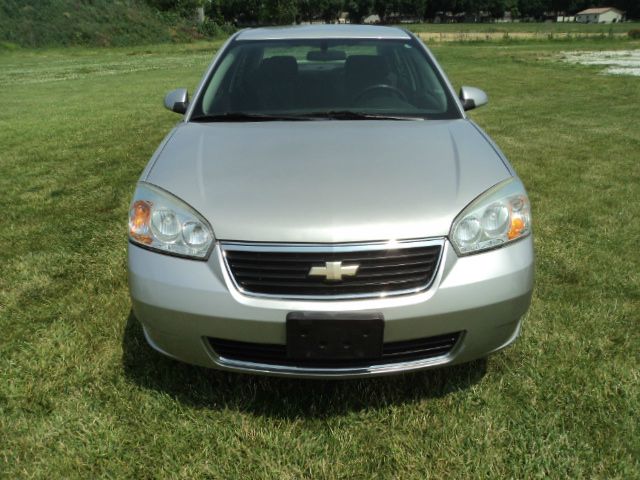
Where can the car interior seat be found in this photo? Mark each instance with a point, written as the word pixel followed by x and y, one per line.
pixel 276 82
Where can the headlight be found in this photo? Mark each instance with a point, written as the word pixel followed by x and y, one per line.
pixel 500 215
pixel 160 221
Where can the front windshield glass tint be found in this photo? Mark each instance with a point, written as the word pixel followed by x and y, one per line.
pixel 309 77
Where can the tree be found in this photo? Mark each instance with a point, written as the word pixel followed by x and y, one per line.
pixel 358 9
pixel 534 8
pixel 496 8
pixel 213 11
pixel 186 8
pixel 287 11
pixel 243 12
pixel 434 6
pixel 307 10
pixel 280 12
pixel 330 9
pixel 381 8
pixel 327 10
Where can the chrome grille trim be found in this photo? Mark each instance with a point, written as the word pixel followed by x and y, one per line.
pixel 418 349
pixel 302 248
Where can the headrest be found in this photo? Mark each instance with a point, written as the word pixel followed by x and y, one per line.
pixel 281 67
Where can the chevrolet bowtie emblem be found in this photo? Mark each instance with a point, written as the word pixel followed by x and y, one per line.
pixel 334 271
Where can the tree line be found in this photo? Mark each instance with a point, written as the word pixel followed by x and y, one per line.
pixel 251 12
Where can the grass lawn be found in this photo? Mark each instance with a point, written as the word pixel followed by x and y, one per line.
pixel 459 32
pixel 532 27
pixel 82 395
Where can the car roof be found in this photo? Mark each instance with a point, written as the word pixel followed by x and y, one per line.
pixel 323 31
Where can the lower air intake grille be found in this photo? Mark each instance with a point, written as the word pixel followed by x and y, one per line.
pixel 325 271
pixel 393 352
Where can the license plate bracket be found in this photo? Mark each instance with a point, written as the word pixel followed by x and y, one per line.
pixel 334 336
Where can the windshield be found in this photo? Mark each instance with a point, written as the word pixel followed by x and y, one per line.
pixel 347 79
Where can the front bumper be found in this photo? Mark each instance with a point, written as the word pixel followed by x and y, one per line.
pixel 181 303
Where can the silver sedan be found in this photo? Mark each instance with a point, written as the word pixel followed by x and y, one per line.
pixel 325 208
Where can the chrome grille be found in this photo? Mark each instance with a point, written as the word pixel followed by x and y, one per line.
pixel 393 352
pixel 283 270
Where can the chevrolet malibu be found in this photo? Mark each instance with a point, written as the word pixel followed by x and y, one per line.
pixel 325 208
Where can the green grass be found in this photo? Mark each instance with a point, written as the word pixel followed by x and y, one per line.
pixel 40 23
pixel 82 395
pixel 529 27
pixel 474 32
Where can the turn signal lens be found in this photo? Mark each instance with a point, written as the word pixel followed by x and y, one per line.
pixel 139 221
pixel 517 226
pixel 498 216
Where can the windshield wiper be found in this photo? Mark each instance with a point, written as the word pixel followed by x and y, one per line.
pixel 245 117
pixel 352 115
pixel 331 115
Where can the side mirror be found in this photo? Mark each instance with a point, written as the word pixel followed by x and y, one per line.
pixel 177 100
pixel 472 97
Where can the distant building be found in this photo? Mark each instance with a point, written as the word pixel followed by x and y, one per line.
pixel 372 19
pixel 506 18
pixel 600 15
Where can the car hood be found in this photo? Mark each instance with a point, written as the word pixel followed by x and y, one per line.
pixel 328 181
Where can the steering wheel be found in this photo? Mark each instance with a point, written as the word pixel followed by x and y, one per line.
pixel 380 86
